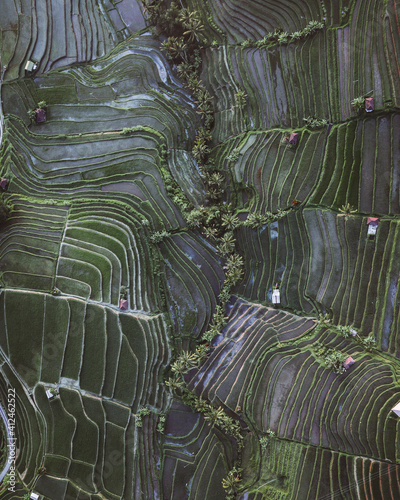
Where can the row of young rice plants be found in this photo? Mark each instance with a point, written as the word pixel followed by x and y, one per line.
pixel 278 468
pixel 91 421
pixel 194 278
pixel 29 244
pixel 66 165
pixel 361 166
pixel 251 330
pixel 195 456
pixel 332 266
pixel 293 470
pixel 237 21
pixel 351 420
pixel 71 434
pixel 355 418
pixel 276 174
pixel 387 315
pixel 358 60
pixel 360 263
pixel 281 86
pixel 127 364
pixel 125 16
pixel 53 36
pixel 120 231
pixel 392 46
pixel 27 420
pixel 270 260
pixel 143 474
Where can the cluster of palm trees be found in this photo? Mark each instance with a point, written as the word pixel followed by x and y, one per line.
pixel 278 36
pixel 266 440
pixel 159 236
pixel 312 122
pixel 256 220
pixel 213 416
pixel 217 219
pixel 183 28
pixel 144 411
pixel 231 482
pixel 368 343
pixel 201 148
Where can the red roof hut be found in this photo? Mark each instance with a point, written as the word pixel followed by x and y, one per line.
pixel 369 104
pixel 40 115
pixel 294 137
pixel 348 362
pixel 123 304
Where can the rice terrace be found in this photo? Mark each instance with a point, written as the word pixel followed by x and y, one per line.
pixel 200 249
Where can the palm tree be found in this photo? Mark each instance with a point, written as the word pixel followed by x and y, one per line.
pixel 346 210
pixel 231 482
pixel 233 276
pixel 240 98
pixel 195 217
pixel 193 29
pixel 209 232
pixel 203 98
pixel 193 83
pixel 184 362
pixel 230 221
pixel 204 134
pixel 175 48
pixel 201 405
pixel 234 261
pixel 214 416
pixel 191 23
pixel 297 35
pixel 178 366
pixel 225 294
pixel 227 244
pixel 200 149
pixel 256 220
pixel 185 70
pixel 283 37
pixel 175 383
pixel 213 193
pixel 215 179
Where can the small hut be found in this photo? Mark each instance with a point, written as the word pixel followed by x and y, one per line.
pixel 50 394
pixel 40 115
pixel 123 304
pixel 372 223
pixel 30 66
pixel 369 104
pixel 396 409
pixel 276 295
pixel 348 362
pixel 3 183
pixel 293 138
pixel 34 496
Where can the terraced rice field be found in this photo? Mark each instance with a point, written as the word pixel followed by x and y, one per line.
pixel 283 85
pixel 265 365
pixel 106 282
